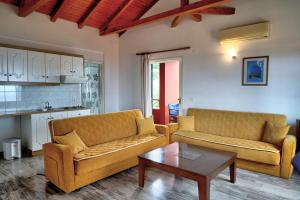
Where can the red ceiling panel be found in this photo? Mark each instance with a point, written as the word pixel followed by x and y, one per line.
pixel 104 12
pixel 108 15
pixel 134 11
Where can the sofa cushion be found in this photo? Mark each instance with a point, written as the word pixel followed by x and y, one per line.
pixel 246 149
pixel 145 125
pixel 186 123
pixel 102 155
pixel 275 134
pixel 72 140
pixel 244 125
pixel 98 129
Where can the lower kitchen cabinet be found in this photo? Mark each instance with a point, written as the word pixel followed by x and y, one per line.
pixel 35 130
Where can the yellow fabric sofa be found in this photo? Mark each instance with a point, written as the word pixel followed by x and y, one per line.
pixel 240 132
pixel 113 146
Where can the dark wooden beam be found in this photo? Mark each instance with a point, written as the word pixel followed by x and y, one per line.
pixel 184 2
pixel 185 10
pixel 176 21
pixel 219 11
pixel 116 14
pixel 88 13
pixel 138 17
pixel 27 8
pixel 196 17
pixel 58 9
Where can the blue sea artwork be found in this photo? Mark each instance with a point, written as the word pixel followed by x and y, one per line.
pixel 255 71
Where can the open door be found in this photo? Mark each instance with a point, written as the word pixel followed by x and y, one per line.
pixel 165 90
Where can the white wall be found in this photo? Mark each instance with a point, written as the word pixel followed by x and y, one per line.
pixel 210 79
pixel 38 31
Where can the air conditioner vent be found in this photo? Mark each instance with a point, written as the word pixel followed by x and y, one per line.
pixel 244 33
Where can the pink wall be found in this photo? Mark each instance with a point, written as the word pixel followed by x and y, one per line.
pixel 169 90
pixel 171 85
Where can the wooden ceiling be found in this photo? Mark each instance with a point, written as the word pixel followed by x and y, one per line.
pixel 117 16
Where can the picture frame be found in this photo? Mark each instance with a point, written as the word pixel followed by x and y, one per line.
pixel 255 71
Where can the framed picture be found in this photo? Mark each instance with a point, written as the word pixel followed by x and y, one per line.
pixel 255 71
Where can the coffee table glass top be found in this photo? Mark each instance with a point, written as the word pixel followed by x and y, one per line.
pixel 188 157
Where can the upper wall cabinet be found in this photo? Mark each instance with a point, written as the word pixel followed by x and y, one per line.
pixel 78 66
pixel 3 64
pixel 21 64
pixel 66 65
pixel 17 65
pixel 52 68
pixel 36 66
pixel 71 66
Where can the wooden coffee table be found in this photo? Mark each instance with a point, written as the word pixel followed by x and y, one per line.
pixel 189 161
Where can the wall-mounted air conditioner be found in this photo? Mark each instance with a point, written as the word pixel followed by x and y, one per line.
pixel 244 33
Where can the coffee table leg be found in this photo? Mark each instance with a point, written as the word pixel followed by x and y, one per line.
pixel 204 189
pixel 233 172
pixel 141 173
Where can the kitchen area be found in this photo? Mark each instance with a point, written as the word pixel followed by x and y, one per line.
pixel 37 86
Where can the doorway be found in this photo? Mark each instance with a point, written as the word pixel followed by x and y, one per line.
pixel 165 89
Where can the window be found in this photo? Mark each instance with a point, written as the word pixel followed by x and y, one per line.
pixel 155 85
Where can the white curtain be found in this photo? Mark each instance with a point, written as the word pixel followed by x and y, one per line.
pixel 146 86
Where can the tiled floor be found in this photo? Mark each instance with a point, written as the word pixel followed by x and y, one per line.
pixel 19 179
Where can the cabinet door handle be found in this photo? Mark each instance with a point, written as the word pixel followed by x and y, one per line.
pixel 4 74
pixel 71 71
pixel 43 76
pixel 10 75
pixel 47 76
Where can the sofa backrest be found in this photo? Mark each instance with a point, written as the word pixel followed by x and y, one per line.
pixel 98 129
pixel 244 125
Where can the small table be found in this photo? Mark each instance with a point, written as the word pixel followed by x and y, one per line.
pixel 189 161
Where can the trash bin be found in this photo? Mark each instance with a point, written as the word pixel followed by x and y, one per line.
pixel 11 148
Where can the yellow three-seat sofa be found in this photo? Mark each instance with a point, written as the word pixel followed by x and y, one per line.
pixel 240 132
pixel 113 145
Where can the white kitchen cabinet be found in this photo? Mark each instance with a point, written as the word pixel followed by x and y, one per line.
pixel 36 67
pixel 3 64
pixel 66 65
pixel 71 66
pixel 77 66
pixel 52 68
pixel 35 129
pixel 40 130
pixel 17 65
pixel 77 113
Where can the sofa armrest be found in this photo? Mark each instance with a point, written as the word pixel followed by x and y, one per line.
pixel 59 166
pixel 173 127
pixel 288 153
pixel 163 129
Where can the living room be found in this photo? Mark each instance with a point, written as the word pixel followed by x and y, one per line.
pixel 221 95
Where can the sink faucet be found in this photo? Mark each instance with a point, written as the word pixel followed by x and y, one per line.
pixel 47 105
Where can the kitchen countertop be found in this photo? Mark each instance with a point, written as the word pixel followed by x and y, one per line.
pixel 38 111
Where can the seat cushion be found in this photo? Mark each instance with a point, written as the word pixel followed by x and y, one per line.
pixel 246 149
pixel 102 155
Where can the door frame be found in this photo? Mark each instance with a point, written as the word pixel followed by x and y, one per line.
pixel 168 59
